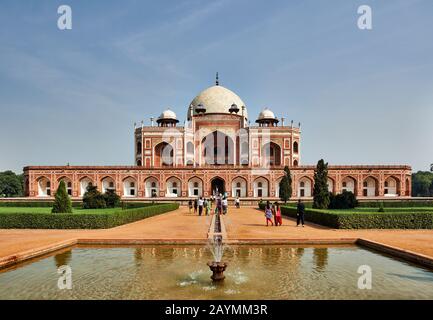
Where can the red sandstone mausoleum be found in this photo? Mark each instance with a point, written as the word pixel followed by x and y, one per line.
pixel 217 150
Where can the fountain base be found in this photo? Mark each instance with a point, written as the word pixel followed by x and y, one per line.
pixel 217 269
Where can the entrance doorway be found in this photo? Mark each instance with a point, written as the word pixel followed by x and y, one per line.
pixel 217 186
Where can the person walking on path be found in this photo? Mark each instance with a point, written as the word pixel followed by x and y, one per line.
pixel 190 205
pixel 195 205
pixel 300 212
pixel 200 206
pixel 207 206
pixel 277 214
pixel 219 205
pixel 238 202
pixel 268 214
pixel 225 205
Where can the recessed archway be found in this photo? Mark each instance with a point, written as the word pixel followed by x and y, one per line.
pixel 129 187
pixel 239 187
pixel 261 187
pixel 173 187
pixel 44 187
pixel 348 184
pixel 84 184
pixel 218 186
pixel 370 187
pixel 195 187
pixel 218 149
pixel 151 186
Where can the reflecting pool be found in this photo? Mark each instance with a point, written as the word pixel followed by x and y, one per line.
pixel 180 272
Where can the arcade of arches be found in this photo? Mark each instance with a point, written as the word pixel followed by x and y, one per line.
pixel 239 185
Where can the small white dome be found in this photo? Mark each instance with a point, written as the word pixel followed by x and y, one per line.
pixel 266 114
pixel 168 114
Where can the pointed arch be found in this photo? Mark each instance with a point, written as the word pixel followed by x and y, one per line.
pixel 151 187
pixel 44 186
pixel 305 187
pixel 370 187
pixel 129 186
pixel 239 187
pixel 261 187
pixel 349 183
pixel 85 182
pixel 195 187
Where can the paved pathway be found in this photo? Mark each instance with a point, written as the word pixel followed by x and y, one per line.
pixel 244 223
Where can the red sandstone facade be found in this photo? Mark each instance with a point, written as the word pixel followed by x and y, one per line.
pixel 217 150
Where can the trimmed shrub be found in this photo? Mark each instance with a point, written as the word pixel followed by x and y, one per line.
pixel 35 204
pixel 93 199
pixel 62 202
pixel 81 220
pixel 395 203
pixel 112 199
pixel 344 200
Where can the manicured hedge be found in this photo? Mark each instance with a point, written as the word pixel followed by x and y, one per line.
pixel 81 220
pixel 76 204
pixel 34 204
pixel 396 203
pixel 366 220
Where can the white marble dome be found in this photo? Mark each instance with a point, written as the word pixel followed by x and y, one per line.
pixel 218 99
pixel 168 114
pixel 266 114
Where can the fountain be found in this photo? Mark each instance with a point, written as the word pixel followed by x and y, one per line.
pixel 217 248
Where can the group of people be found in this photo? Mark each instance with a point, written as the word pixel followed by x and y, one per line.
pixel 201 204
pixel 274 211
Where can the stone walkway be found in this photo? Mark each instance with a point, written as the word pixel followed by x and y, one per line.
pixel 241 224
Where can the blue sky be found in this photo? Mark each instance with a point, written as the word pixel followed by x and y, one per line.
pixel 363 97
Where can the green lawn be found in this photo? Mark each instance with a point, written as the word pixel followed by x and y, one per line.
pixel 10 210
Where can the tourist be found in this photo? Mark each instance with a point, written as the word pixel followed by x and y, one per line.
pixel 190 205
pixel 277 214
pixel 238 202
pixel 225 204
pixel 200 206
pixel 207 205
pixel 219 205
pixel 268 214
pixel 195 205
pixel 300 211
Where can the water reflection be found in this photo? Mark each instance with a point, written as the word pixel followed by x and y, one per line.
pixel 320 257
pixel 180 272
pixel 63 258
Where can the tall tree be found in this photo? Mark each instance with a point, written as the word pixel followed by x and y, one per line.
pixel 320 190
pixel 62 202
pixel 11 184
pixel 286 185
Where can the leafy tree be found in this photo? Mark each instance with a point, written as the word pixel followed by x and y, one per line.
pixel 320 190
pixel 111 198
pixel 62 202
pixel 421 182
pixel 431 189
pixel 286 185
pixel 11 184
pixel 93 199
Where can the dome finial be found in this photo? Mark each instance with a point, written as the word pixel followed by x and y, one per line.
pixel 217 82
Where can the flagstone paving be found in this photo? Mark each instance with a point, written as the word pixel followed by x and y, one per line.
pixel 242 224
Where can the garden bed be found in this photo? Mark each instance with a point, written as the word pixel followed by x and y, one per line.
pixel 42 218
